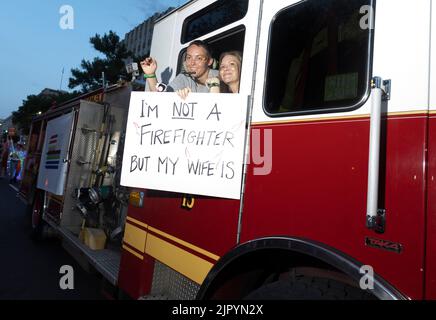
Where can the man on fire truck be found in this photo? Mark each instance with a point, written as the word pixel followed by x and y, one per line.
pixel 198 62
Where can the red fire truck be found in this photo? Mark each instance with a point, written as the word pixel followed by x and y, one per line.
pixel 341 108
pixel 336 197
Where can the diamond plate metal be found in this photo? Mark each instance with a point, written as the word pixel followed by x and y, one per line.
pixel 106 261
pixel 170 284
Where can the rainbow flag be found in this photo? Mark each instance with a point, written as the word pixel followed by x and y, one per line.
pixel 54 154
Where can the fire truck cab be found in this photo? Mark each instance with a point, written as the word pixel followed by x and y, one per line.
pixel 337 196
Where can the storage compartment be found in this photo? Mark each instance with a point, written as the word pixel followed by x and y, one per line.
pixel 94 238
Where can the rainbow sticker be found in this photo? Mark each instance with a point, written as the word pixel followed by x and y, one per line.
pixel 53 154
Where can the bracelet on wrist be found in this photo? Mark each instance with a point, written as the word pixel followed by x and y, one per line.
pixel 149 76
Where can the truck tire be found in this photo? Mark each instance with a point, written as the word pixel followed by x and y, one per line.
pixel 308 288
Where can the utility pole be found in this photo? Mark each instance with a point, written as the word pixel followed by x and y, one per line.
pixel 62 77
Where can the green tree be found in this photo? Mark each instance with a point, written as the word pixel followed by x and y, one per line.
pixel 113 66
pixel 35 104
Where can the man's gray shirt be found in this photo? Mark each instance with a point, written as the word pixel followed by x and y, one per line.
pixel 182 81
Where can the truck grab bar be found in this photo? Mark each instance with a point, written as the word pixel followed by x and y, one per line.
pixel 375 217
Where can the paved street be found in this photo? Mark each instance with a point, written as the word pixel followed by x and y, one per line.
pixel 30 270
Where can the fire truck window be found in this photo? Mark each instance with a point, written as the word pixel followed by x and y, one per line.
pixel 318 58
pixel 217 15
pixel 230 40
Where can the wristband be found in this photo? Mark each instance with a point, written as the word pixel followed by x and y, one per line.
pixel 149 76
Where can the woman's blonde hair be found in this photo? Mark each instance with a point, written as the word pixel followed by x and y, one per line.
pixel 238 56
pixel 235 53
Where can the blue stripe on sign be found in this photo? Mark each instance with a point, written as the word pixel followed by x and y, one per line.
pixel 52 162
pixel 52 167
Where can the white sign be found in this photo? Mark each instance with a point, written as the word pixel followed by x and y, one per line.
pixel 53 169
pixel 192 146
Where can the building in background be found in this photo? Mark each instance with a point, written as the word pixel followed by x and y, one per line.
pixel 8 128
pixel 138 40
pixel 5 124
pixel 51 92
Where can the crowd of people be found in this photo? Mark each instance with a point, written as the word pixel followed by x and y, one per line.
pixel 12 157
pixel 197 74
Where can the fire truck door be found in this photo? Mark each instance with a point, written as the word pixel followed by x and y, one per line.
pixel 54 160
pixel 315 65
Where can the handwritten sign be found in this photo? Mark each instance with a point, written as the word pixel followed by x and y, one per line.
pixel 193 146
